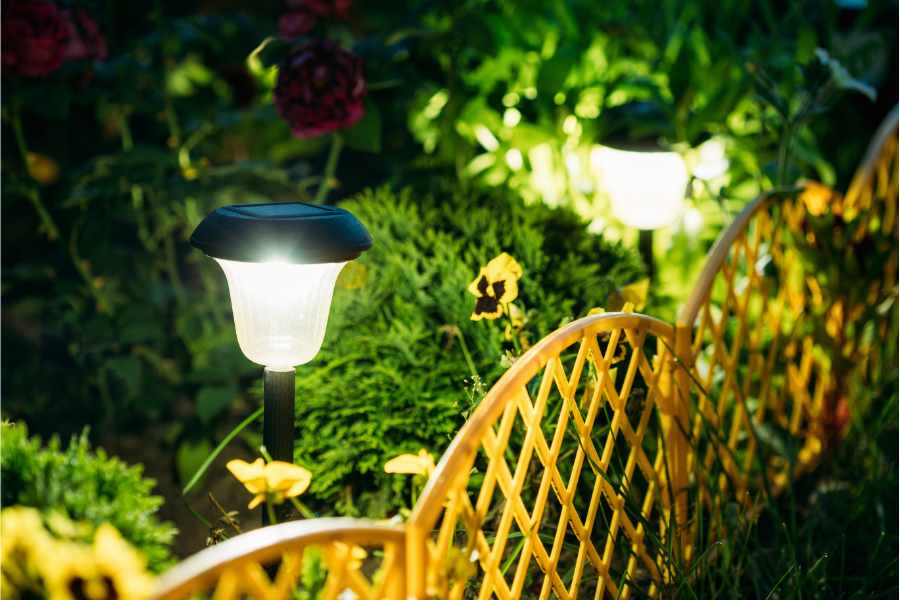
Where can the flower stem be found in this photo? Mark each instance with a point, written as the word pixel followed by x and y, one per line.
pixel 337 142
pixel 468 357
pixel 302 509
pixel 271 511
pixel 33 195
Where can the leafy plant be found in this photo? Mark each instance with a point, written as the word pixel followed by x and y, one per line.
pixel 84 485
pixel 403 364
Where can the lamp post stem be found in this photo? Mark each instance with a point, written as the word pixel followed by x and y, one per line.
pixel 645 248
pixel 278 422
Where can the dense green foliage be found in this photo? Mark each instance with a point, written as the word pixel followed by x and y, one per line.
pixel 392 376
pixel 85 485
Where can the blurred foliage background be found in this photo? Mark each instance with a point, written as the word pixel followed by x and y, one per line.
pixel 480 120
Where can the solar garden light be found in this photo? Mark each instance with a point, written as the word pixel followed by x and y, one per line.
pixel 281 261
pixel 646 189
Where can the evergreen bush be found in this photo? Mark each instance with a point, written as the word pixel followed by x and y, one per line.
pixel 85 485
pixel 392 377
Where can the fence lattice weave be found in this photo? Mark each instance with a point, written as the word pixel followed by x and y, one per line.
pixel 603 461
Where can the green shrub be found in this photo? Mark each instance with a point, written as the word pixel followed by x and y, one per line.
pixel 390 378
pixel 87 486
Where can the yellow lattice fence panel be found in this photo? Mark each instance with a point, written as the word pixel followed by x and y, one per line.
pixel 868 319
pixel 558 484
pixel 320 558
pixel 792 322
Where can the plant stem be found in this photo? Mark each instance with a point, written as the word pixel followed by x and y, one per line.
pixel 334 152
pixel 468 357
pixel 271 511
pixel 783 154
pixel 218 450
pixel 33 195
pixel 302 509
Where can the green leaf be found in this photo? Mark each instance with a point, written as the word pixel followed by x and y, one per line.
pixel 212 400
pixel 366 134
pixel 128 369
pixel 553 72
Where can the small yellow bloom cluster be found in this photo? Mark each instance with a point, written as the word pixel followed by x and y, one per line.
pixel 276 481
pixel 67 566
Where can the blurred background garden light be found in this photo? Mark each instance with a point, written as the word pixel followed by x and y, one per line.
pixel 646 189
pixel 281 261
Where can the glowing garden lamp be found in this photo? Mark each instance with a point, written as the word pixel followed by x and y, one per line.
pixel 646 188
pixel 281 261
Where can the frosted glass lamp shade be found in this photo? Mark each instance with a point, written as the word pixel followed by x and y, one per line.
pixel 281 261
pixel 280 309
pixel 646 189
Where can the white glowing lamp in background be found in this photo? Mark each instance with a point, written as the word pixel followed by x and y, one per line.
pixel 281 261
pixel 646 189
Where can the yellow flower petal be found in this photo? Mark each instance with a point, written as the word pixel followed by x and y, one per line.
pixel 491 315
pixel 244 471
pixel 122 565
pixel 510 291
pixel 411 464
pixel 252 475
pixel 286 477
pixel 503 267
pixel 257 500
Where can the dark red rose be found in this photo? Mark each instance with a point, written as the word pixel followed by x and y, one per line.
pixel 296 23
pixel 85 39
pixel 35 35
pixel 320 89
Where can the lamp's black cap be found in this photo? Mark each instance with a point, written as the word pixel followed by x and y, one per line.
pixel 292 231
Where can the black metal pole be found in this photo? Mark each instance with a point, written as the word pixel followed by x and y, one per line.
pixel 278 423
pixel 645 248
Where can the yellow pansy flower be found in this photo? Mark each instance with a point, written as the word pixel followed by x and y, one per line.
pixel 277 480
pixel 72 573
pixel 411 464
pixel 495 287
pixel 35 562
pixel 120 565
pixel 24 541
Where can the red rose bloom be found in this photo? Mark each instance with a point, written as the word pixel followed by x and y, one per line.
pixel 320 89
pixel 35 35
pixel 85 39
